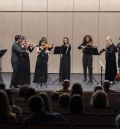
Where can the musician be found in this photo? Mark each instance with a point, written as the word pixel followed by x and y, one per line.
pixel 118 48
pixel 110 57
pixel 65 61
pixel 87 59
pixel 17 51
pixel 24 74
pixel 41 68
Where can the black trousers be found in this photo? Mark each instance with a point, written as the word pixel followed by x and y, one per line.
pixel 14 79
pixel 87 64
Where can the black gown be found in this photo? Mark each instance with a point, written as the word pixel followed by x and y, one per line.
pixel 118 47
pixel 111 67
pixel 65 65
pixel 41 68
pixel 24 77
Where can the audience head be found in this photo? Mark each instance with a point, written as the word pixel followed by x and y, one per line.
pixel 23 90
pixel 117 121
pixel 44 96
pixel 106 85
pixel 55 96
pixel 4 104
pixel 77 89
pixel 2 86
pixel 76 104
pixel 97 88
pixel 64 100
pixel 29 92
pixel 36 104
pixel 66 84
pixel 99 99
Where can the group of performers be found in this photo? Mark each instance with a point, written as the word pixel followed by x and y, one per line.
pixel 21 63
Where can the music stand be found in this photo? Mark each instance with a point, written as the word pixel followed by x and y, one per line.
pixel 59 50
pixel 92 51
pixel 2 52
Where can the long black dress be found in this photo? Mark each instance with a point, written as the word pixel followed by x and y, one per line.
pixel 65 65
pixel 41 69
pixel 111 67
pixel 24 77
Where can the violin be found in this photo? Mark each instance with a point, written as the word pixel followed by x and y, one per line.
pixel 47 46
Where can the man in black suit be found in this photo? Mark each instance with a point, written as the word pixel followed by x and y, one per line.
pixel 17 51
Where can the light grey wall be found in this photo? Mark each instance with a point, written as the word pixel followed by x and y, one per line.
pixel 56 19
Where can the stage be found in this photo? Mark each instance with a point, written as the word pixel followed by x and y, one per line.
pixel 53 86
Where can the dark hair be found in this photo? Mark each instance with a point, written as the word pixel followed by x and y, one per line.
pixel 42 40
pixel 106 85
pixel 99 99
pixel 76 104
pixel 90 38
pixel 64 100
pixel 66 38
pixel 17 37
pixel 36 104
pixel 2 86
pixel 76 89
pixel 55 96
pixel 44 96
pixel 97 88
pixel 23 90
pixel 29 92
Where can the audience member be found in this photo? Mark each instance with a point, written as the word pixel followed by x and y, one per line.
pixel 23 90
pixel 5 113
pixel 99 99
pixel 65 87
pixel 44 96
pixel 77 89
pixel 64 99
pixel 55 96
pixel 97 88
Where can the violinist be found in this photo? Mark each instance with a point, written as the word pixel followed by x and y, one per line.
pixel 41 68
pixel 65 61
pixel 87 60
pixel 110 57
pixel 24 74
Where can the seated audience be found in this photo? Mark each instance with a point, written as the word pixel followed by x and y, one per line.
pixel 55 96
pixel 76 89
pixel 39 115
pixel 117 121
pixel 23 90
pixel 64 99
pixel 44 96
pixel 76 104
pixel 106 87
pixel 29 92
pixel 65 87
pixel 2 86
pixel 97 88
pixel 99 99
pixel 5 113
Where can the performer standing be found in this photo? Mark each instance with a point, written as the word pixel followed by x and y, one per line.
pixel 110 56
pixel 87 59
pixel 65 61
pixel 17 51
pixel 118 48
pixel 24 74
pixel 41 68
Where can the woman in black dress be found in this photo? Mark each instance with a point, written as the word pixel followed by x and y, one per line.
pixel 24 74
pixel 41 69
pixel 65 61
